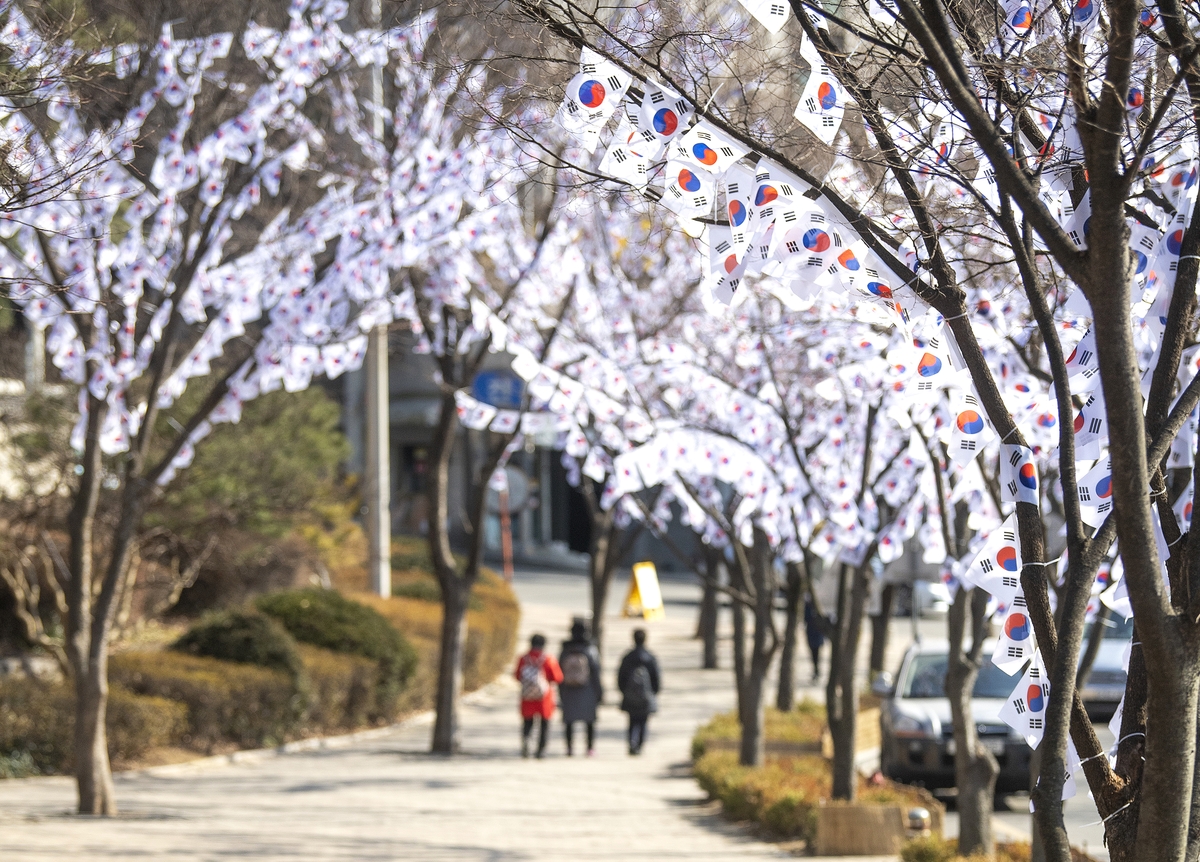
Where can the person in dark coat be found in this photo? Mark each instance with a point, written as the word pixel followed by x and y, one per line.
pixel 815 636
pixel 639 681
pixel 581 691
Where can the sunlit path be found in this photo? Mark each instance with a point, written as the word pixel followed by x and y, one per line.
pixel 386 798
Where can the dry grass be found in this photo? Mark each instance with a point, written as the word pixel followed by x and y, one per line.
pixel 946 850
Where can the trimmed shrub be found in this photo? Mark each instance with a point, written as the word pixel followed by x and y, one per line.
pixel 327 619
pixel 342 688
pixel 37 722
pixel 244 637
pixel 932 849
pixel 227 703
pixel 802 726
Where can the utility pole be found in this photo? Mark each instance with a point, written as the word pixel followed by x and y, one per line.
pixel 377 467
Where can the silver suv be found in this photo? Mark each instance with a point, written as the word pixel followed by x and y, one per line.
pixel 918 737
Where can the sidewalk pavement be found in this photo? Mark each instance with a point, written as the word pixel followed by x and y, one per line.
pixel 383 797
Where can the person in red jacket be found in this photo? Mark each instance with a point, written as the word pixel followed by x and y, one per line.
pixel 536 671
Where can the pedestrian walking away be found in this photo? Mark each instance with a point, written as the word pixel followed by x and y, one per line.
pixel 639 681
pixel 815 636
pixel 537 671
pixel 581 690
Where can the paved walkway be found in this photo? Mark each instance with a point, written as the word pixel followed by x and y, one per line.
pixel 385 798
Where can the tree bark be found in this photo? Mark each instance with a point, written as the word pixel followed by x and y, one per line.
pixel 785 699
pixel 710 608
pixel 752 749
pixel 844 722
pixel 93 773
pixel 600 569
pixel 880 627
pixel 450 676
pixel 975 768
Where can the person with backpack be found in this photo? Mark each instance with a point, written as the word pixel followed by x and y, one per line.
pixel 639 682
pixel 536 671
pixel 580 690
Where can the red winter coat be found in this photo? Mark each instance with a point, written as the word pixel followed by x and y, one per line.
pixel 553 674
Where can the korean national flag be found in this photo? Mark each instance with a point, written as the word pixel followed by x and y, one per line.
pixel 726 264
pixel 1095 493
pixel 591 98
pixel 709 149
pixel 807 238
pixel 1025 709
pixel 1091 426
pixel 823 102
pixel 997 566
pixel 933 369
pixel 739 206
pixel 970 432
pixel 774 188
pixel 624 162
pixel 772 14
pixel 1082 370
pixel 662 117
pixel 687 190
pixel 1018 475
pixel 1016 643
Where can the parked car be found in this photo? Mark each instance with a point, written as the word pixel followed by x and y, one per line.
pixel 918 737
pixel 929 598
pixel 1105 685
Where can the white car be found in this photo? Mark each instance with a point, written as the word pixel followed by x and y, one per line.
pixel 918 737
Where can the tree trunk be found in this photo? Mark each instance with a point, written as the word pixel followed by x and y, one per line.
pixel 738 612
pixel 785 700
pixel 752 748
pixel 844 700
pixel 975 768
pixel 89 665
pixel 880 627
pixel 93 773
pixel 450 678
pixel 600 569
pixel 710 609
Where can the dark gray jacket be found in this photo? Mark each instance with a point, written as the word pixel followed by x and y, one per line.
pixel 635 658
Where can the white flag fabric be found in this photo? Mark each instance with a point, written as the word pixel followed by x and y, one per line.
pixel 772 14
pixel 1018 475
pixel 970 433
pixel 1025 709
pixel 1091 426
pixel 687 190
pixel 709 149
pixel 1082 370
pixel 1016 643
pixel 1095 493
pixel 823 102
pixel 661 117
pixel 997 566
pixel 591 98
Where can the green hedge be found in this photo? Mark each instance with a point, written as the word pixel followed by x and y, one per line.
pixel 228 704
pixel 343 690
pixel 37 722
pixel 244 637
pixel 327 619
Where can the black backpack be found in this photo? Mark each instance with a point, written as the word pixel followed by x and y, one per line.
pixel 639 694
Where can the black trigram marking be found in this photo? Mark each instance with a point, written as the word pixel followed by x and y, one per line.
pixel 1015 652
pixel 726 152
pixel 619 156
pixel 658 97
pixel 1085 495
pixel 1019 705
pixel 1010 581
pixel 1035 724
pixel 1012 489
pixel 815 261
pixel 1015 458
pixel 723 246
pixel 966 445
pixel 986 565
pixel 792 247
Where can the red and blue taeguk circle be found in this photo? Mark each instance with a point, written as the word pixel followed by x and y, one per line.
pixel 1017 627
pixel 737 213
pixel 1035 698
pixel 1083 10
pixel 1028 476
pixel 731 263
pixel 1175 241
pixel 1104 488
pixel 970 422
pixel 1046 420
pixel 929 365
pixel 688 181
pixel 765 195
pixel 705 154
pixel 665 122
pixel 848 260
pixel 1022 19
pixel 1136 98
pixel 815 239
pixel 591 94
pixel 879 289
pixel 827 96
pixel 1007 558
